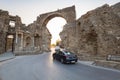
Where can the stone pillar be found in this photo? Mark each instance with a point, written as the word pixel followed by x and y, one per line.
pixel 22 40
pixel 16 41
pixel 33 42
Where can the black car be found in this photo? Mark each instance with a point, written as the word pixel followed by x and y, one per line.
pixel 65 57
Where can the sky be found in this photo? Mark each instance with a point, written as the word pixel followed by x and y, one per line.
pixel 28 10
pixel 56 29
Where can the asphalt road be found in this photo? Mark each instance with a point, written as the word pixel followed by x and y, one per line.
pixel 43 67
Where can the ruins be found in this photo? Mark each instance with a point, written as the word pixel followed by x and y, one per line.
pixel 96 33
pixel 32 39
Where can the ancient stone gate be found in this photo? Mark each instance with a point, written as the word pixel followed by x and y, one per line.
pixel 95 34
pixel 68 14
pixel 32 38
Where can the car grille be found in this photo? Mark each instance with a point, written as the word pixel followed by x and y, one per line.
pixel 72 57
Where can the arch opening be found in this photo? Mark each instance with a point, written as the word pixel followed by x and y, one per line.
pixel 9 42
pixel 36 40
pixel 28 41
pixel 55 26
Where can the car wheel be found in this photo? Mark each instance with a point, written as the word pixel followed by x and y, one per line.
pixel 61 60
pixel 54 57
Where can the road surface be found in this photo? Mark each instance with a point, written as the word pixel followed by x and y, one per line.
pixel 43 67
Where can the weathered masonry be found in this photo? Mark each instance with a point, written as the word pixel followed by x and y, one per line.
pixel 31 39
pixel 95 34
pixel 8 27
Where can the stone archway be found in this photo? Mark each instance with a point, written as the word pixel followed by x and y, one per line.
pixel 28 41
pixel 36 40
pixel 69 14
pixel 9 42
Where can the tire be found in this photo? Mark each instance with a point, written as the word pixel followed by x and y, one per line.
pixel 54 57
pixel 62 61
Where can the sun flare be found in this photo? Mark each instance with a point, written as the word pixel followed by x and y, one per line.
pixel 55 26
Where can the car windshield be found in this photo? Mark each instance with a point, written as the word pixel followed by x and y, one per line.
pixel 67 53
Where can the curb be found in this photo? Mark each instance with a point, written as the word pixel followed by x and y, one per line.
pixel 99 67
pixel 6 58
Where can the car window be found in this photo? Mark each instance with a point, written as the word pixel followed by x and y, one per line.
pixel 67 53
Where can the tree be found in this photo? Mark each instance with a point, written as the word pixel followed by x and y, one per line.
pixel 53 45
pixel 58 42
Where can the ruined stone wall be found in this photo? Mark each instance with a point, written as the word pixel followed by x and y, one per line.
pixel 2 42
pixel 34 37
pixel 68 37
pixel 116 9
pixel 7 29
pixel 46 39
pixel 30 40
pixel 45 35
pixel 97 32
pixel 27 39
pixel 3 30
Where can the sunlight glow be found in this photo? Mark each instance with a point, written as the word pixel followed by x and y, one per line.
pixel 55 26
pixel 10 36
